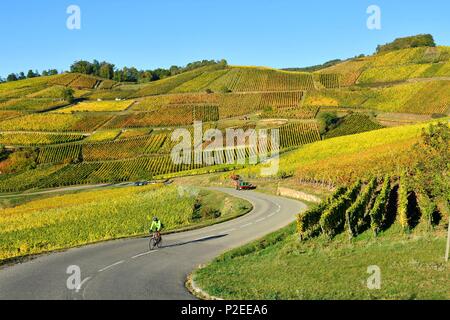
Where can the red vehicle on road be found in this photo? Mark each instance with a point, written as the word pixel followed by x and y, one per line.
pixel 241 184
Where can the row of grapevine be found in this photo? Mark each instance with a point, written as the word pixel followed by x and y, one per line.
pixel 359 209
pixel 402 203
pixel 163 117
pixel 139 167
pixel 22 88
pixel 103 135
pixel 169 144
pixel 332 220
pixel 107 84
pixel 230 104
pixel 54 92
pixel 85 82
pixel 281 99
pixel 425 98
pixel 81 81
pixel 308 222
pixel 110 171
pixel 155 143
pixel 98 106
pixel 286 81
pixel 255 79
pixel 47 122
pixel 378 211
pixel 168 84
pixel 27 180
pixel 5 115
pixel 349 71
pixel 206 113
pixel 110 150
pixel 110 94
pixel 123 148
pixel 330 81
pixel 352 124
pixel 32 104
pixel 118 171
pixel 353 209
pixel 200 83
pixel 131 133
pixel 59 154
pixel 241 80
pixel 36 138
pixel 70 175
pixel 297 134
pixel 192 98
pixel 64 79
pixel 298 113
pixel 57 91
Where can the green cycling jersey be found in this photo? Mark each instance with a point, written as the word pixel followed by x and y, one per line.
pixel 156 226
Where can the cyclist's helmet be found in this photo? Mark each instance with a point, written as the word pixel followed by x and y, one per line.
pixel 155 218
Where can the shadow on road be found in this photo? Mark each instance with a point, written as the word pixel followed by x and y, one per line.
pixel 195 241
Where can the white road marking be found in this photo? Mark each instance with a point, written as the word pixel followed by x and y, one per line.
pixel 259 220
pixel 229 230
pixel 81 284
pixel 111 265
pixel 142 254
pixel 246 225
pixel 274 213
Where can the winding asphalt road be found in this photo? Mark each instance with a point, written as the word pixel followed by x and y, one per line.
pixel 125 269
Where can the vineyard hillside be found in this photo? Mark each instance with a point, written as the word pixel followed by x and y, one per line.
pixel 394 66
pixel 122 131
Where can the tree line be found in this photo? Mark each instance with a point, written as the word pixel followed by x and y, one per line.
pixel 421 40
pixel 30 74
pixel 131 74
pixel 108 70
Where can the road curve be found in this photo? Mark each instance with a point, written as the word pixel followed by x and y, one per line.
pixel 125 269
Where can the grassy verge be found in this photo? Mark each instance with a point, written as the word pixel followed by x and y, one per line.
pixel 280 267
pixel 58 222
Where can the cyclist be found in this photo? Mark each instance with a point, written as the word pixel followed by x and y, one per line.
pixel 156 227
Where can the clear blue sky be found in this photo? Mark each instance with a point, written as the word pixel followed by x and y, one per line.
pixel 151 33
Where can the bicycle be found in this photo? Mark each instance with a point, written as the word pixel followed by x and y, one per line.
pixel 155 241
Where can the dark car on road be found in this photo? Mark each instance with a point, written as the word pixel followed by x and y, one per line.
pixel 141 183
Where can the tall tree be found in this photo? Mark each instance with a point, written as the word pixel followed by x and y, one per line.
pixel 11 77
pixel 95 67
pixel 106 70
pixel 32 74
pixel 67 95
pixel 82 66
pixel 52 72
